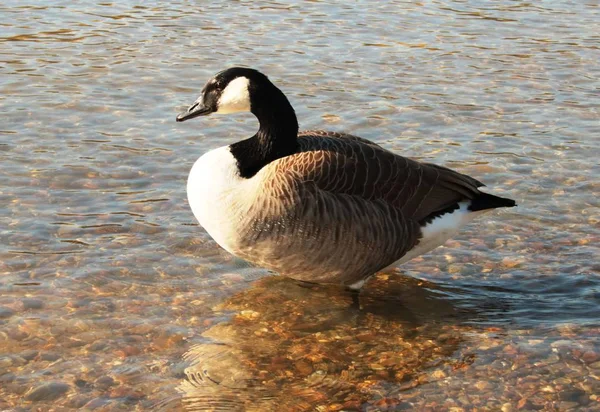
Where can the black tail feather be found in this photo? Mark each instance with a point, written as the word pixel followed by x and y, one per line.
pixel 486 201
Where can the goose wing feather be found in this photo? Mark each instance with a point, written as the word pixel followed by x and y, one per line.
pixel 342 163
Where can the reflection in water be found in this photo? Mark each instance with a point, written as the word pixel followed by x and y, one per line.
pixel 294 347
pixel 413 345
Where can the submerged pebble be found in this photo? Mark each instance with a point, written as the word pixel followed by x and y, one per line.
pixel 6 312
pixel 48 392
pixel 30 303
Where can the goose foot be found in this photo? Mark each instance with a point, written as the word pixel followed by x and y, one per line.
pixel 306 285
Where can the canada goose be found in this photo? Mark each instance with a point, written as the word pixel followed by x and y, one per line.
pixel 317 206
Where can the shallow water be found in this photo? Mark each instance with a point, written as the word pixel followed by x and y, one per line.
pixel 114 299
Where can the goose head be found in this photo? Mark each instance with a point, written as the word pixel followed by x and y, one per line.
pixel 237 89
pixel 240 89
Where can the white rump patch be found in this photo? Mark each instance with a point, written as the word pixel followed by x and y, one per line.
pixel 444 227
pixel 236 97
pixel 440 229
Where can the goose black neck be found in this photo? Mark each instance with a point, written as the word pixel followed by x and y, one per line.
pixel 277 135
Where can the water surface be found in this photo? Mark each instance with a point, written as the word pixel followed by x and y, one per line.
pixel 113 298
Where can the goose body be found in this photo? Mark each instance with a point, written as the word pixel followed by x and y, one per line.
pixel 318 206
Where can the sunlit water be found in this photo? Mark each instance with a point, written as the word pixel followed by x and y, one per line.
pixel 113 298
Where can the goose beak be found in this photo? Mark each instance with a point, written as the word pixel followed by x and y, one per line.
pixel 195 110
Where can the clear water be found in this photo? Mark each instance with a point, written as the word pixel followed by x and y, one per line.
pixel 112 298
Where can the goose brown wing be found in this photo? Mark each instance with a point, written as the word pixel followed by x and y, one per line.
pixel 346 164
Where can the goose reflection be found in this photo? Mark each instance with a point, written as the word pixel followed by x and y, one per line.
pixel 289 347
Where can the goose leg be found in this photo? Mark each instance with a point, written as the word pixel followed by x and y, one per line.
pixel 355 294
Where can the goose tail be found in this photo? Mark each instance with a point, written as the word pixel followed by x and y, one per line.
pixel 486 201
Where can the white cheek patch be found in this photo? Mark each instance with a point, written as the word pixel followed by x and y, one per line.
pixel 235 97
